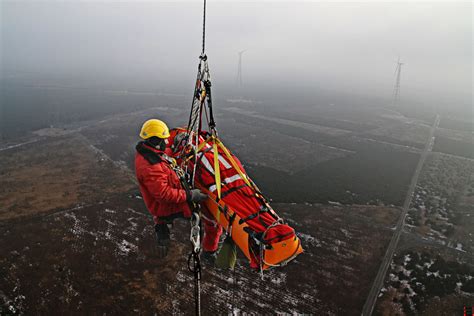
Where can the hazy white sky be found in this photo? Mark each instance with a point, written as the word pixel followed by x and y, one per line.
pixel 352 46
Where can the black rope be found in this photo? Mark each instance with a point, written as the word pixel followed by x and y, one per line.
pixel 234 289
pixel 206 116
pixel 194 265
pixel 204 29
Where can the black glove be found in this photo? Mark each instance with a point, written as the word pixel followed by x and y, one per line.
pixel 163 239
pixel 197 196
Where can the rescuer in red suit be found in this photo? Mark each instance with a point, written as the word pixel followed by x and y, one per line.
pixel 164 195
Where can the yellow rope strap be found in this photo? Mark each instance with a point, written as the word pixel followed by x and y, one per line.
pixel 201 146
pixel 217 174
pixel 233 162
pixel 217 169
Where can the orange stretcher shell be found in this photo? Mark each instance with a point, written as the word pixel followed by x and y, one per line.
pixel 281 252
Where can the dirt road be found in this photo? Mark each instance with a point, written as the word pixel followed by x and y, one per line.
pixel 378 282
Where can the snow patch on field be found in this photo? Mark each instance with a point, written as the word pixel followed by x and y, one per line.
pixel 406 259
pixel 110 222
pixel 132 223
pixel 126 247
pixel 309 240
pixel 76 229
pixel 346 232
pixel 181 277
pixel 281 278
pixel 459 247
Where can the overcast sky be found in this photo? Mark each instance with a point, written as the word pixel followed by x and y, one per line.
pixel 338 46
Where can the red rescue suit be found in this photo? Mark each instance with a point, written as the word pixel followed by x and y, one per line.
pixel 160 187
pixel 164 196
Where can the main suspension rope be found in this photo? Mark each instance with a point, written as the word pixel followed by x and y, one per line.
pixel 204 29
pixel 201 93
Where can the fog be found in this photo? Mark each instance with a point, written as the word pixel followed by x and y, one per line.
pixel 297 47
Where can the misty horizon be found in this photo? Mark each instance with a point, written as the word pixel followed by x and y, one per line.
pixel 300 47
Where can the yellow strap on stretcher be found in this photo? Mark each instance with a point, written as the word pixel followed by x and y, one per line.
pixel 217 169
pixel 217 174
pixel 204 143
pixel 234 163
pixel 216 141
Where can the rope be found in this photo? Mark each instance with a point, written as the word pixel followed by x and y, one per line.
pixel 194 262
pixel 234 289
pixel 204 29
pixel 194 265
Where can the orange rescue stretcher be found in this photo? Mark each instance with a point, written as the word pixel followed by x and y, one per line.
pixel 237 204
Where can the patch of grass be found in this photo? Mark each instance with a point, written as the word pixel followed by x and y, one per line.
pixel 365 177
pixel 454 147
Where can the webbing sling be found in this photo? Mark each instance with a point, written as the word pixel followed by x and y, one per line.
pixel 254 215
pixel 217 170
pixel 217 175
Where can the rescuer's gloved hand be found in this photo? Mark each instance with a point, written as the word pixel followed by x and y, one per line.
pixel 197 196
pixel 163 239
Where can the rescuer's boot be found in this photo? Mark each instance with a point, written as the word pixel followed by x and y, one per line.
pixel 163 239
pixel 209 257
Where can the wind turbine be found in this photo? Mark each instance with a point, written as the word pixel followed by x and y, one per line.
pixel 239 69
pixel 396 88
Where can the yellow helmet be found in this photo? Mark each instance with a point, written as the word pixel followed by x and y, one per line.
pixel 156 128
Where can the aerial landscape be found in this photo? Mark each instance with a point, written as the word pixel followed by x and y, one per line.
pixel 379 186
